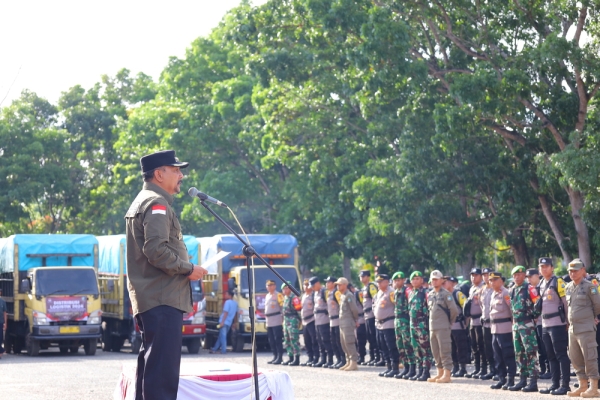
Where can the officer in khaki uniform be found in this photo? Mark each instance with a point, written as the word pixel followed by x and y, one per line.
pixel 584 305
pixel 442 314
pixel 348 323
pixel 274 321
pixel 383 307
pixel 159 275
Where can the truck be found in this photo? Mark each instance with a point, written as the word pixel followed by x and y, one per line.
pixel 230 273
pixel 50 286
pixel 118 324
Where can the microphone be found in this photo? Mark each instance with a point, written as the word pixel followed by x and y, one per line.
pixel 204 197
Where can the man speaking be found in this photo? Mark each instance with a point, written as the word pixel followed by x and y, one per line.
pixel 159 276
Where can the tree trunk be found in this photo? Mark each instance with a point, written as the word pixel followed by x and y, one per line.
pixel 551 218
pixel 346 268
pixel 464 268
pixel 519 248
pixel 583 238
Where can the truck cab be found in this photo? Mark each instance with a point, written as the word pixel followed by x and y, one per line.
pixel 51 288
pixel 230 273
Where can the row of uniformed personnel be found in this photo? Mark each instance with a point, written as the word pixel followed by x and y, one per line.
pixel 409 325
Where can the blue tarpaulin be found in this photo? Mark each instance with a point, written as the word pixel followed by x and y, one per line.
pixel 263 244
pixel 46 244
pixel 110 252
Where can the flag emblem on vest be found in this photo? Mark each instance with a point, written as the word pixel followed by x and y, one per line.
pixel 159 209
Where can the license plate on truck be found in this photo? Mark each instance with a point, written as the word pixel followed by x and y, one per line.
pixel 69 329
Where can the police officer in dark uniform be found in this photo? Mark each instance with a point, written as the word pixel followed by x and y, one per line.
pixel 555 336
pixel 159 275
pixel 333 308
pixel 533 278
pixel 369 291
pixel 361 330
pixel 321 323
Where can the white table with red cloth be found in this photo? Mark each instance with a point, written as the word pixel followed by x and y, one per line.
pixel 215 380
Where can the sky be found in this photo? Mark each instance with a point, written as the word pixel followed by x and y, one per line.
pixel 50 46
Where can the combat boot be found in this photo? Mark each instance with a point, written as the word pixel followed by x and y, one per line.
pixel 361 360
pixel 372 360
pixel 411 372
pixel 477 369
pixel 329 361
pixel 404 372
pixel 481 373
pixel 343 367
pixel 454 368
pixel 532 387
pixel 352 366
pixel 389 368
pixel 498 385
pixel 554 386
pixel 288 362
pixel 461 372
pixel 520 385
pixel 307 363
pixel 583 386
pixel 273 360
pixel 380 363
pixel 395 370
pixel 425 375
pixel 319 363
pixel 509 383
pixel 445 378
pixel 592 390
pixel 418 374
pixel 279 359
pixel 489 375
pixel 342 362
pixel 295 362
pixel 440 373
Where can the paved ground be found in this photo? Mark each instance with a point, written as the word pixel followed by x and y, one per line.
pixel 64 376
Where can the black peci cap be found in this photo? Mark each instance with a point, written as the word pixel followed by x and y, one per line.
pixel 160 159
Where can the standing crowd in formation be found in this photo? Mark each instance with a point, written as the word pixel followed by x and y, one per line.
pixel 535 329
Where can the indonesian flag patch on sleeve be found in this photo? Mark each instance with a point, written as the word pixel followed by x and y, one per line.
pixel 159 209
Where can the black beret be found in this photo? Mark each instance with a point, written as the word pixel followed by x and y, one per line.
pixel 160 159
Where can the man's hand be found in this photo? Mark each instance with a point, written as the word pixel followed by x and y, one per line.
pixel 197 273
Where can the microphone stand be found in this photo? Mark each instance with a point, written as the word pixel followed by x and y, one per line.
pixel 250 252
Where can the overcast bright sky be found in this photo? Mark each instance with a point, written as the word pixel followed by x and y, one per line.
pixel 50 46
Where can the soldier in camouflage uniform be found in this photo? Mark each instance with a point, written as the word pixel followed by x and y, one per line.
pixel 522 300
pixel 419 327
pixel 402 326
pixel 291 321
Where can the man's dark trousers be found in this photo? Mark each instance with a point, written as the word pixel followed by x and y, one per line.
pixel 160 355
pixel 275 336
pixel 310 340
pixel 372 338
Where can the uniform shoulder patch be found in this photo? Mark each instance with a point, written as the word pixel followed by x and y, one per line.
pixel 392 297
pixel 449 298
pixel 338 296
pixel 159 209
pixel 594 290
pixel 372 290
pixel 280 298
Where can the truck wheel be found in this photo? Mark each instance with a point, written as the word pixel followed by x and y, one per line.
pixel 237 342
pixel 89 346
pixel 32 345
pixel 136 345
pixel 193 346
